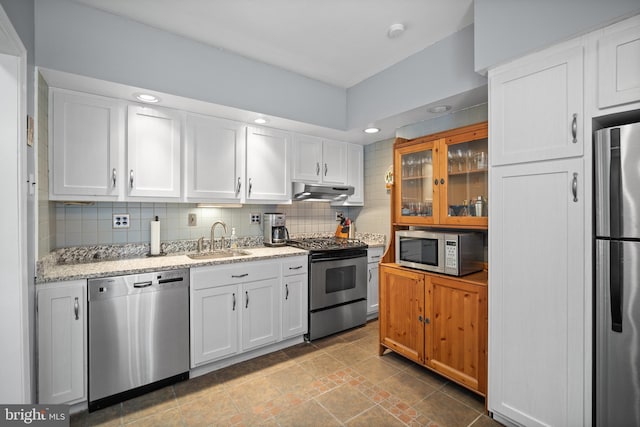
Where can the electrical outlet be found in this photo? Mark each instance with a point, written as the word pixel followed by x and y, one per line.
pixel 254 218
pixel 193 220
pixel 339 215
pixel 120 220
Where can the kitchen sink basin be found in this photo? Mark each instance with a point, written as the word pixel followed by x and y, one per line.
pixel 219 254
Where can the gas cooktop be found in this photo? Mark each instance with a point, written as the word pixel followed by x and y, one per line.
pixel 326 243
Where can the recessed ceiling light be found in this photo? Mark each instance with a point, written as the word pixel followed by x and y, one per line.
pixel 395 30
pixel 439 109
pixel 372 130
pixel 260 121
pixel 146 97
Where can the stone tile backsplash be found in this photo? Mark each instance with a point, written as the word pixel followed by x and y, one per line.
pixel 82 225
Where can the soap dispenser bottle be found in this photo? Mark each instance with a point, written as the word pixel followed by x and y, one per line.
pixel 233 240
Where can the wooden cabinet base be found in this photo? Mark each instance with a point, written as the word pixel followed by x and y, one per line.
pixel 437 321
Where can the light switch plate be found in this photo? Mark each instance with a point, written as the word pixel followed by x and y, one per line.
pixel 193 220
pixel 120 220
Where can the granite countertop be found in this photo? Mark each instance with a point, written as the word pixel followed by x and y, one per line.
pixel 116 260
pixel 56 272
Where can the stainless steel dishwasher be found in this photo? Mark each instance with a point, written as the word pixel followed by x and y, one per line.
pixel 138 334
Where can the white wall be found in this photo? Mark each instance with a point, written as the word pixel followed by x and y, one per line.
pixel 507 29
pixel 437 72
pixel 78 39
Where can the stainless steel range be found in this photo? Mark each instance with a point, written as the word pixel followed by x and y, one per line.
pixel 337 284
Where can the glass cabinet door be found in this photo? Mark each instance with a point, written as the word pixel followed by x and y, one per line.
pixel 416 166
pixel 467 182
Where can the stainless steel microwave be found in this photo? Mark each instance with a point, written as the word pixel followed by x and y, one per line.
pixel 455 254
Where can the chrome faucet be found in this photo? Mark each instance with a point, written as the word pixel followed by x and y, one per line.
pixel 213 228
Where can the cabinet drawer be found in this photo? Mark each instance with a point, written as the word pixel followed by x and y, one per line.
pixel 217 275
pixel 374 254
pixel 293 266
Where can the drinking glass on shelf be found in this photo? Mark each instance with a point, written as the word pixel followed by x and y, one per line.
pixel 460 158
pixel 469 159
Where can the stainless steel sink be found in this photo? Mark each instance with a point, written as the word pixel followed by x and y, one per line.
pixel 228 253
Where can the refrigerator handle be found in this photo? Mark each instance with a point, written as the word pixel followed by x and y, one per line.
pixel 615 186
pixel 616 279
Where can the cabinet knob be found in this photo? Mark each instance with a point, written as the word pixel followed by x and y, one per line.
pixel 441 181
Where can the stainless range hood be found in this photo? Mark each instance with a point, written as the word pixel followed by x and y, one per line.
pixel 304 191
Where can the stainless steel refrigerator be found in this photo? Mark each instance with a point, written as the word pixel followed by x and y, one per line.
pixel 617 293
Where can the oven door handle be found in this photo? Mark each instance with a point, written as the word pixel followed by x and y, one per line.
pixel 337 258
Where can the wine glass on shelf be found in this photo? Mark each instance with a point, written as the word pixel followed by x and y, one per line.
pixel 460 159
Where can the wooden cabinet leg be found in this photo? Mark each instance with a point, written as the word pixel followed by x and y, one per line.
pixel 381 350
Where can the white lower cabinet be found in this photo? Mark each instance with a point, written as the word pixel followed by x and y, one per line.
pixel 538 353
pixel 62 338
pixel 294 297
pixel 374 256
pixel 244 306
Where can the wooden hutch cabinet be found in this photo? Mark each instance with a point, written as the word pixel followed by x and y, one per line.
pixel 442 179
pixel 438 321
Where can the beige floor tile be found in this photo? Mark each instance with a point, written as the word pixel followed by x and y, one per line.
pixel 168 418
pixel 345 402
pixel 446 411
pixel 406 387
pixel 291 379
pixel 198 387
pixel 301 351
pixel 467 397
pixel 350 354
pixel 209 409
pixel 485 421
pixel 375 416
pixel 307 414
pixel 253 393
pixel 322 365
pixel 158 401
pixel 107 417
pixel 375 369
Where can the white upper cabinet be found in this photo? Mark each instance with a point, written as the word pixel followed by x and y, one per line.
pixel 355 175
pixel 214 159
pixel 86 139
pixel 153 153
pixel 267 165
pixel 619 64
pixel 319 161
pixel 537 107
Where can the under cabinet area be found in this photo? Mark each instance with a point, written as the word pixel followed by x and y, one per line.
pixel 62 342
pixel 439 322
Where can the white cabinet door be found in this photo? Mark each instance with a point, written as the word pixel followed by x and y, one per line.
pixel 537 107
pixel 619 64
pixel 307 158
pixel 334 167
pixel 86 139
pixel 294 306
pixel 214 323
pixel 62 342
pixel 153 153
pixel 537 294
pixel 355 176
pixel 374 257
pixel 260 313
pixel 267 174
pixel 215 159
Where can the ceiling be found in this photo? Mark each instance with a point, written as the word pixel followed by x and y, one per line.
pixel 340 42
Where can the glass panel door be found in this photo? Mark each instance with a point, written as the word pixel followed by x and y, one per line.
pixel 416 185
pixel 467 183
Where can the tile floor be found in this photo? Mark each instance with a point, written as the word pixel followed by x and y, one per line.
pixel 336 381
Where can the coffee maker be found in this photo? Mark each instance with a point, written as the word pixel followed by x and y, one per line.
pixel 275 232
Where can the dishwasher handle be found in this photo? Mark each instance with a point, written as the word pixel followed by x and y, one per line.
pixel 145 284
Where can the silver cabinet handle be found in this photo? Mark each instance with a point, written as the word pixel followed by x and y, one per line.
pixel 250 187
pixel 238 276
pixel 295 268
pixel 317 168
pixel 114 177
pixel 246 293
pixel 375 257
pixel 369 275
pixel 326 168
pixel 131 178
pixel 76 308
pixel 234 302
pixel 286 287
pixel 238 186
pixel 574 187
pixel 574 128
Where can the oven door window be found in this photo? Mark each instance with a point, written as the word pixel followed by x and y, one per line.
pixel 419 250
pixel 337 281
